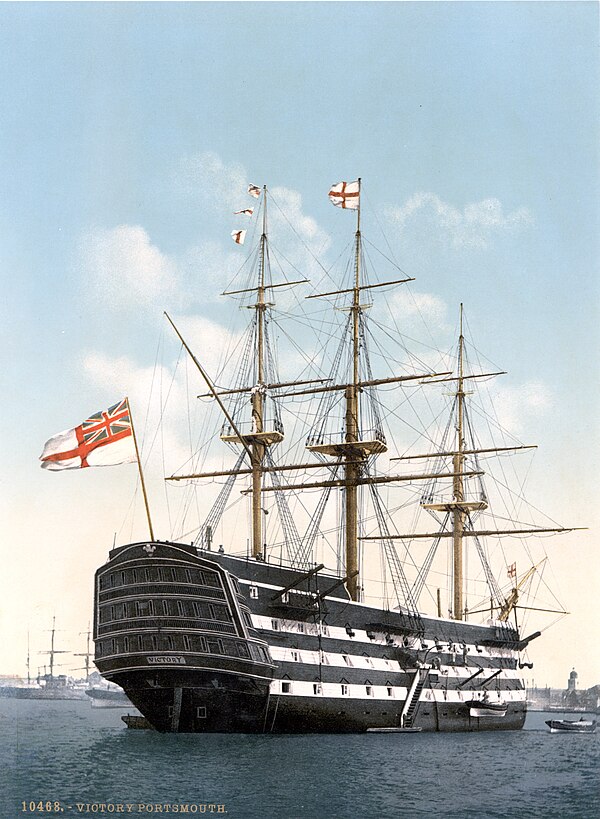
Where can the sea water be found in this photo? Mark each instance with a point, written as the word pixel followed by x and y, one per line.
pixel 67 759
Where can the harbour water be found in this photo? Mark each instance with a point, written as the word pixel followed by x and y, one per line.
pixel 71 760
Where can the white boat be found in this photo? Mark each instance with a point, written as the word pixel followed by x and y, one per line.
pixel 487 708
pixel 580 726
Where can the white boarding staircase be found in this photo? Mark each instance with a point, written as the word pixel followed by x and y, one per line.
pixel 412 698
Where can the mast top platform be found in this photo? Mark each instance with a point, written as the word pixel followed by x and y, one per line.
pixel 268 437
pixel 451 506
pixel 373 446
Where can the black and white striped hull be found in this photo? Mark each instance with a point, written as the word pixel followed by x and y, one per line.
pixel 263 660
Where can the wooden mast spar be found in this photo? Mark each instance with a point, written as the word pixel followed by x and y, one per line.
pixel 257 400
pixel 259 438
pixel 352 469
pixel 353 450
pixel 458 513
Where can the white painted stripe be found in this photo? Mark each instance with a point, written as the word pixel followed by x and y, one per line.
pixel 328 690
pixel 294 655
pixel 359 636
pixel 441 696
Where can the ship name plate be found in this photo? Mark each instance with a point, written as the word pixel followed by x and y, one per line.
pixel 166 660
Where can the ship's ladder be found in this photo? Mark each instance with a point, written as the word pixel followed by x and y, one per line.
pixel 412 699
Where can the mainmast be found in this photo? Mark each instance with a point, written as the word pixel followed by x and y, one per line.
pixel 352 467
pixel 356 445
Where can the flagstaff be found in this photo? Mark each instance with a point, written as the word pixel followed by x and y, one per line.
pixel 141 472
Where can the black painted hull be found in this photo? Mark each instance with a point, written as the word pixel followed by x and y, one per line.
pixel 204 702
pixel 250 661
pixel 328 716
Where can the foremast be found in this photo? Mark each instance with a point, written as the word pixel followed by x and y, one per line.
pixel 261 435
pixel 258 444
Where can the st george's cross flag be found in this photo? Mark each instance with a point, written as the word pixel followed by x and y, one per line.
pixel 512 570
pixel 238 236
pixel 345 195
pixel 103 439
pixel 254 191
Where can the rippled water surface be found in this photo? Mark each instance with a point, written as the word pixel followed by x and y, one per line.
pixel 68 753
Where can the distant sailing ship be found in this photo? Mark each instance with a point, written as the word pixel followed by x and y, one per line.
pixel 47 686
pixel 203 640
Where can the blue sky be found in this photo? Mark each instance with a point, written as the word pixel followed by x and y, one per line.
pixel 124 130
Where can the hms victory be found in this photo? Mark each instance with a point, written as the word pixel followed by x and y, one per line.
pixel 249 633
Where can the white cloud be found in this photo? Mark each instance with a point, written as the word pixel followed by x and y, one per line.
pixel 296 238
pixel 410 307
pixel 177 433
pixel 214 345
pixel 121 375
pixel 305 226
pixel 472 227
pixel 208 268
pixel 159 404
pixel 122 267
pixel 221 187
pixel 516 406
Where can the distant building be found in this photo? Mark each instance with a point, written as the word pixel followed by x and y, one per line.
pixel 569 699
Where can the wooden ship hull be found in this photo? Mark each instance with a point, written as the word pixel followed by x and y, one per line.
pixel 270 655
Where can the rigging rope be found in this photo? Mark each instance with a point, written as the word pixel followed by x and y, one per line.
pixel 215 514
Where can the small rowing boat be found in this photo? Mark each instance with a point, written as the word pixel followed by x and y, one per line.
pixel 580 726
